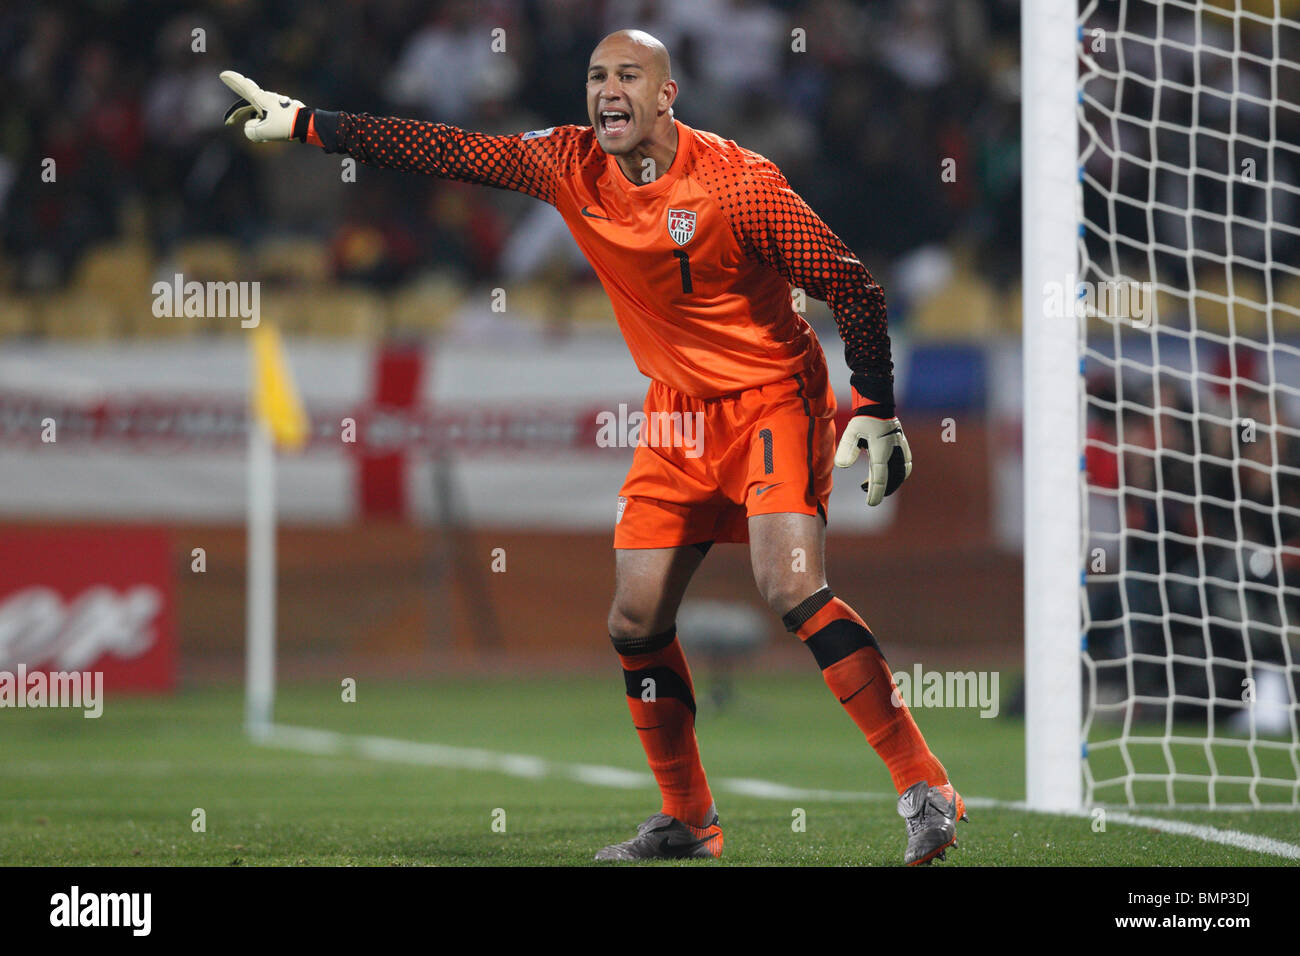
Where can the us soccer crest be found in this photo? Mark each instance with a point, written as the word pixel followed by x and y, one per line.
pixel 681 225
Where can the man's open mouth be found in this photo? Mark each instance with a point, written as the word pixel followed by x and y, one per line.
pixel 614 122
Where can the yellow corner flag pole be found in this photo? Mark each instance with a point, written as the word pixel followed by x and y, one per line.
pixel 276 417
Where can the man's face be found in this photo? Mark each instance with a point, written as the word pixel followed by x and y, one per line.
pixel 623 90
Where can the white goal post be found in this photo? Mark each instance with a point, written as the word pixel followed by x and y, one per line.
pixel 1161 148
pixel 1049 150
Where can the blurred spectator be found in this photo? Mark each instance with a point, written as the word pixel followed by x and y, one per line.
pixel 915 46
pixel 118 95
pixel 449 67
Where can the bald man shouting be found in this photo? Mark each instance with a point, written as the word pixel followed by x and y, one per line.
pixel 697 242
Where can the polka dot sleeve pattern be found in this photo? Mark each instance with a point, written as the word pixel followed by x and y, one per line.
pixel 529 163
pixel 772 223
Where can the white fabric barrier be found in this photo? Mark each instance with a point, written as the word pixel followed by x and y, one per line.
pixel 154 432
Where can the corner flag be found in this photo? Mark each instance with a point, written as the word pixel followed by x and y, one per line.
pixel 275 401
pixel 277 418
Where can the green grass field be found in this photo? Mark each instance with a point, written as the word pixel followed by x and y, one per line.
pixel 121 790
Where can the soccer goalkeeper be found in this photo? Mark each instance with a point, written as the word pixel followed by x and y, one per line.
pixel 697 242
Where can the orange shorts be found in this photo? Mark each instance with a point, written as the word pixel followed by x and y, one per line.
pixel 704 465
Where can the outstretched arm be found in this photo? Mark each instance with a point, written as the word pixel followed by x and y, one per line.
pixel 525 162
pixel 436 149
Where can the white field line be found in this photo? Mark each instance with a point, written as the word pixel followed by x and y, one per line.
pixel 328 742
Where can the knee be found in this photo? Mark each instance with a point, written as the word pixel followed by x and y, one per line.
pixel 783 593
pixel 628 622
pixel 636 634
pixel 786 599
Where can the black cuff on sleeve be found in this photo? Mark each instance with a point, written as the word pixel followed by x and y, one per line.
pixel 301 120
pixel 327 128
pixel 879 390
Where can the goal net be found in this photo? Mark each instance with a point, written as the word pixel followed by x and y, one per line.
pixel 1187 300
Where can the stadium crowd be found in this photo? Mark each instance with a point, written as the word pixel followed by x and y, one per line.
pixel 858 103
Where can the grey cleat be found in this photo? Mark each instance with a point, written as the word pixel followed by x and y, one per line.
pixel 666 838
pixel 931 814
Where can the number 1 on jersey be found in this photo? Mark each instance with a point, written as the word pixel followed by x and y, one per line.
pixel 685 263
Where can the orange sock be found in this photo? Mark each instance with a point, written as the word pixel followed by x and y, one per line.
pixel 856 672
pixel 662 700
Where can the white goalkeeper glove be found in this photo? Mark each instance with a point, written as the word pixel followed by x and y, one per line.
pixel 265 116
pixel 886 446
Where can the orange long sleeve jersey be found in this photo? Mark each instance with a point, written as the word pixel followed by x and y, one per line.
pixel 697 262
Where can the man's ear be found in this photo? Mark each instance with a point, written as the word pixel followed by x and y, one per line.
pixel 667 95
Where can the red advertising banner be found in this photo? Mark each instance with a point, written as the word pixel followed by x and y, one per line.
pixel 89 599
